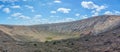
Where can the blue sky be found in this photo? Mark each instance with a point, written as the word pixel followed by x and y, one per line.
pixel 29 12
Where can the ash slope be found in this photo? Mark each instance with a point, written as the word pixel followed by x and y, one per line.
pixel 107 40
pixel 95 25
pixel 58 31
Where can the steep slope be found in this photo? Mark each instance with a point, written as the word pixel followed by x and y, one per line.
pixel 5 37
pixel 104 42
pixel 58 31
pixel 96 34
pixel 93 24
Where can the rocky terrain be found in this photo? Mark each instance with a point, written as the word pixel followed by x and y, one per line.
pixel 96 34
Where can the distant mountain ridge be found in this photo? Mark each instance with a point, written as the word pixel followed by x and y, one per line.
pixel 94 25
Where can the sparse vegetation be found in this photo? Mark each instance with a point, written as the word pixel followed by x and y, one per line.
pixel 96 38
pixel 48 38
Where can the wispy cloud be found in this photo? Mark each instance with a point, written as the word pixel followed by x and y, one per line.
pixel 15 6
pixel 1 6
pixel 53 12
pixel 57 1
pixel 64 10
pixel 112 13
pixel 36 19
pixel 84 16
pixel 20 16
pixel 90 5
pixel 9 0
pixel 108 13
pixel 30 7
pixel 6 10
pixel 68 19
pixel 77 14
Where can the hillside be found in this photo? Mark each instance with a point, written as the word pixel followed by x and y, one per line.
pixel 58 31
pixel 104 42
pixel 96 34
pixel 103 35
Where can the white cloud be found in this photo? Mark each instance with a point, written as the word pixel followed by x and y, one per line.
pixel 90 5
pixel 64 10
pixel 1 6
pixel 95 14
pixel 9 0
pixel 37 19
pixel 77 14
pixel 100 8
pixel 84 16
pixel 16 6
pixel 6 10
pixel 69 19
pixel 30 7
pixel 53 12
pixel 27 20
pixel 57 1
pixel 117 12
pixel 65 20
pixel 108 13
pixel 20 16
pixel 112 13
pixel 16 14
pixel 37 16
pixel 53 16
